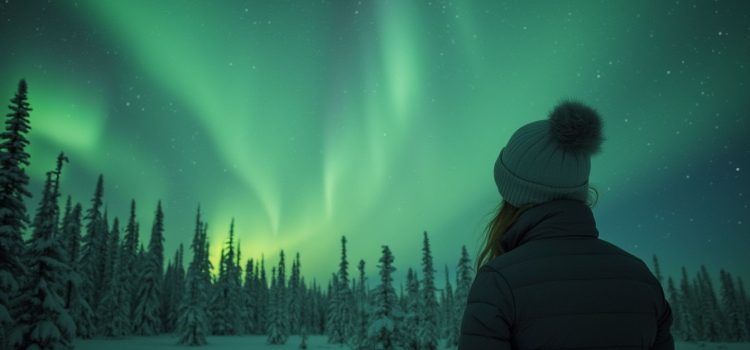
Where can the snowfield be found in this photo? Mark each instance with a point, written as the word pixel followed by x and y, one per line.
pixel 313 342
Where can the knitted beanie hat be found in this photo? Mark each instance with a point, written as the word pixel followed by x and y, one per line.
pixel 550 159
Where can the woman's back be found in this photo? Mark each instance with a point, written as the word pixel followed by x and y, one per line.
pixel 560 287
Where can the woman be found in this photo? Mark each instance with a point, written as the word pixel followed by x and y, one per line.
pixel 545 280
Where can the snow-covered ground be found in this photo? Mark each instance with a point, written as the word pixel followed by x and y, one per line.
pixel 313 342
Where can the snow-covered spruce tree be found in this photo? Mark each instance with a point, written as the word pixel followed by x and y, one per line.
pixel 700 310
pixel 166 304
pixel 13 189
pixel 402 299
pixel 226 302
pixel 690 324
pixel 736 330
pixel 174 279
pixel 464 277
pixel 130 260
pixel 449 318
pixel 115 305
pixel 304 317
pixel 677 310
pixel 410 338
pixel 147 321
pixel 428 331
pixel 317 316
pixel 193 322
pixel 263 295
pixel 249 298
pixel 383 330
pixel 294 296
pixel 106 270
pixel 42 322
pixel 241 302
pixel 178 286
pixel 330 306
pixel 92 259
pixel 713 317
pixel 282 299
pixel 73 294
pixel 340 320
pixel 215 306
pixel 361 318
pixel 275 309
pixel 255 306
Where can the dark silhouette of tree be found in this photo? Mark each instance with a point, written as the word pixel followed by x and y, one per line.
pixel 383 329
pixel 192 323
pixel 13 215
pixel 43 321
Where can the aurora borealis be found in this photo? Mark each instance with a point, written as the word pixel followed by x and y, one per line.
pixel 308 120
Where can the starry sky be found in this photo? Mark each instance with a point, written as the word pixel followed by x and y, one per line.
pixel 308 120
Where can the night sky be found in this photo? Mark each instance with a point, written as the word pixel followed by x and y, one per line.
pixel 308 120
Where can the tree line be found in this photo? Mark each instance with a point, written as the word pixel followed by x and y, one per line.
pixel 700 313
pixel 80 274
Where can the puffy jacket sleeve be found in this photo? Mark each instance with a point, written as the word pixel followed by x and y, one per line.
pixel 664 340
pixel 489 313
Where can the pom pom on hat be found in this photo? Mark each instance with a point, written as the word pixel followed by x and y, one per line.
pixel 576 128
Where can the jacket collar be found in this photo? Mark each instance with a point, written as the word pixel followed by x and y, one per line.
pixel 552 219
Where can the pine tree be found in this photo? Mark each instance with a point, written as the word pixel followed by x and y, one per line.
pixel 305 311
pixel 130 260
pixel 295 301
pixel 156 244
pixel 464 277
pixel 735 328
pixel 360 310
pixel 147 321
pixel 226 302
pixel 172 292
pixel 74 295
pixel 318 314
pixel 690 324
pixel 412 299
pixel 677 310
pixel 193 322
pixel 331 307
pixel 42 321
pixel 115 305
pixel 178 286
pixel 215 305
pixel 249 297
pixel 263 298
pixel 713 318
pixel 340 319
pixel 383 328
pixel 92 260
pixel 282 300
pixel 428 316
pixel 448 308
pixel 13 189
pixel 242 314
pixel 276 332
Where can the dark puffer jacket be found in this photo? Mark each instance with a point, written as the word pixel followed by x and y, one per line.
pixel 559 286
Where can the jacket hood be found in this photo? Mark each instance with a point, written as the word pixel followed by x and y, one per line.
pixel 557 218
